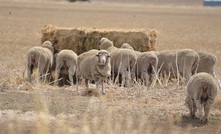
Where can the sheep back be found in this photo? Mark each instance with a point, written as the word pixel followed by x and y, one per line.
pixel 43 57
pixel 69 56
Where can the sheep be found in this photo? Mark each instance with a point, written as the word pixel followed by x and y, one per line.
pixel 66 64
pixel 123 61
pixel 201 92
pixel 94 65
pixel 146 64
pixel 127 46
pixel 183 62
pixel 207 63
pixel 40 58
pixel 48 44
pixel 146 67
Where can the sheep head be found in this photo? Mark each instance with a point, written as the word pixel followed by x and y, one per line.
pixel 103 57
pixel 48 45
pixel 105 43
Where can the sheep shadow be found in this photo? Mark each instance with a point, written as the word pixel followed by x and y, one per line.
pixel 189 121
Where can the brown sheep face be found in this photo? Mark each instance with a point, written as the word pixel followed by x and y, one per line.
pixel 103 58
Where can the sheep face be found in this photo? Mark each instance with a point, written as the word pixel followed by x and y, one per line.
pixel 103 57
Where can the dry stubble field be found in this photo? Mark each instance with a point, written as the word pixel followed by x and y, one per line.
pixel 41 108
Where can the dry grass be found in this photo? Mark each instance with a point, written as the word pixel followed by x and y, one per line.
pixel 41 108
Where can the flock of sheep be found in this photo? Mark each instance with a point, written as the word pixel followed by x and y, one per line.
pixel 125 66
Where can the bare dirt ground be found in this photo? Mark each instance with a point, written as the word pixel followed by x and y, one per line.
pixel 41 108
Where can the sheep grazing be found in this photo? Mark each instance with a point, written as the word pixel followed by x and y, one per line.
pixel 146 65
pixel 122 62
pixel 183 62
pixel 66 64
pixel 207 63
pixel 94 65
pixel 40 58
pixel 201 92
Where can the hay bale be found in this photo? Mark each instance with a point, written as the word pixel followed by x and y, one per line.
pixel 83 39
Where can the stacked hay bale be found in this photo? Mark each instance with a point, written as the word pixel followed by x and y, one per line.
pixel 83 39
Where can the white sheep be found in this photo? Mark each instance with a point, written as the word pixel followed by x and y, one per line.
pixel 146 65
pixel 66 63
pixel 122 62
pixel 94 65
pixel 127 46
pixel 207 63
pixel 48 44
pixel 201 92
pixel 183 62
pixel 39 58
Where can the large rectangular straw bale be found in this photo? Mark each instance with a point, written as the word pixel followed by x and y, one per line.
pixel 83 39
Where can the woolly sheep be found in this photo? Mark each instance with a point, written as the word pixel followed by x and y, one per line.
pixel 207 63
pixel 48 44
pixel 40 58
pixel 94 65
pixel 66 62
pixel 146 62
pixel 201 92
pixel 123 61
pixel 146 67
pixel 127 46
pixel 187 61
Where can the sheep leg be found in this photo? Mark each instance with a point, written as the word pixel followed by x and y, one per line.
pixel 57 72
pixel 187 75
pixel 123 79
pixel 77 82
pixel 191 106
pixel 207 107
pixel 71 73
pixel 29 72
pixel 199 107
pixel 87 83
pixel 128 79
pixel 71 79
pixel 103 89
pixel 39 74
pixel 144 77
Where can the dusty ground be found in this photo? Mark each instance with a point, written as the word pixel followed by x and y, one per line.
pixel 26 108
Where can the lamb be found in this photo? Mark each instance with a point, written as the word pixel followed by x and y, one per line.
pixel 122 62
pixel 66 63
pixel 207 63
pixel 147 63
pixel 94 65
pixel 201 92
pixel 183 61
pixel 40 58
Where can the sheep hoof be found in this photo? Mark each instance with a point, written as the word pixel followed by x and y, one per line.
pixel 103 92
